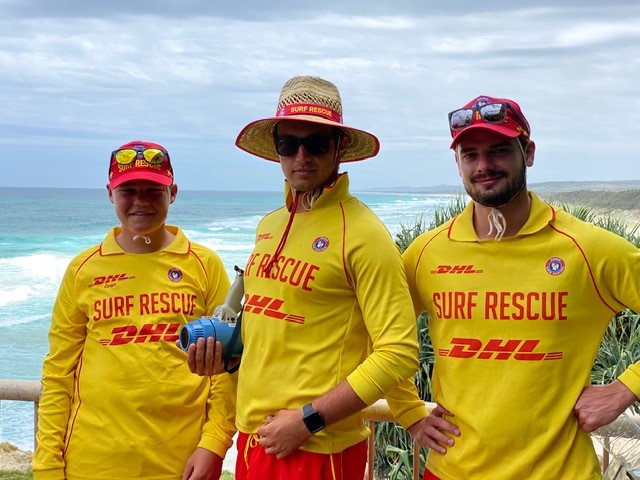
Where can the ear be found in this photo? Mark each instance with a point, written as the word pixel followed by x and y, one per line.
pixel 173 192
pixel 530 153
pixel 456 158
pixel 344 139
pixel 110 193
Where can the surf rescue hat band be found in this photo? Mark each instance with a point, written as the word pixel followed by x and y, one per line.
pixel 500 115
pixel 138 160
pixel 307 99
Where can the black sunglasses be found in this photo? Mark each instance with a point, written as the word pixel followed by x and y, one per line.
pixel 314 144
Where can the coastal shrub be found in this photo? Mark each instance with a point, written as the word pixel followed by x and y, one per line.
pixel 616 225
pixel 15 475
pixel 620 347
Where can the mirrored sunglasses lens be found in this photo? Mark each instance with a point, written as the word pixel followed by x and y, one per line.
pixel 460 119
pixel 153 155
pixel 494 113
pixel 125 157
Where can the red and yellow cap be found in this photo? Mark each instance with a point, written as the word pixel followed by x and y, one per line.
pixel 139 160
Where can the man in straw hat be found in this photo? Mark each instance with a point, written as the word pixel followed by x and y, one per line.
pixel 517 326
pixel 327 323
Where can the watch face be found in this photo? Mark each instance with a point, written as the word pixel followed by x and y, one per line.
pixel 312 419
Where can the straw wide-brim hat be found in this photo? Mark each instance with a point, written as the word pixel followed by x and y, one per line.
pixel 307 99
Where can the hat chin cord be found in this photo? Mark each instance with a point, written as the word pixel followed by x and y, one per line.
pixel 146 239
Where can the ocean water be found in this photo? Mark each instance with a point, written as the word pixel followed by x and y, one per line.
pixel 42 229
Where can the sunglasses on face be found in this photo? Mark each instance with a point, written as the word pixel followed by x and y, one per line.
pixel 314 144
pixel 128 155
pixel 489 113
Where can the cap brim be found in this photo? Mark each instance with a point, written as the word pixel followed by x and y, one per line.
pixel 505 131
pixel 162 179
pixel 257 138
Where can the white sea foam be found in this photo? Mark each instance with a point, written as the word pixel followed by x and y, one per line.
pixel 22 320
pixel 29 278
pixel 14 294
pixel 237 223
pixel 38 266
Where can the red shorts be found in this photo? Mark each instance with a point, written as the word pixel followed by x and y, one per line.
pixel 254 464
pixel 429 476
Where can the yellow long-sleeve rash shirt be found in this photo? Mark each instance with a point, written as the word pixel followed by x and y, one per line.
pixel 118 399
pixel 515 327
pixel 336 306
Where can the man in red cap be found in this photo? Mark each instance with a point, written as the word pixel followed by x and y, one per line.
pixel 327 324
pixel 519 295
pixel 118 401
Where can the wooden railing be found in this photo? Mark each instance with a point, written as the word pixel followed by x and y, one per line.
pixel 22 390
pixel 380 412
pixel 624 427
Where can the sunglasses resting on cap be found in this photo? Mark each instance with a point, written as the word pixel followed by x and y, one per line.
pixel 489 113
pixel 139 160
pixel 500 115
pixel 125 156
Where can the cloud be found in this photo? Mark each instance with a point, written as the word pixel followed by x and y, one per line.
pixel 78 79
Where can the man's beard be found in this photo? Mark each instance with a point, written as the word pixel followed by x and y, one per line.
pixel 497 196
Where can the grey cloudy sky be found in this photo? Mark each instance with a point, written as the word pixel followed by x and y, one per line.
pixel 80 77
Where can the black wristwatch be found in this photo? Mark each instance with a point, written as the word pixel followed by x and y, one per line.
pixel 312 419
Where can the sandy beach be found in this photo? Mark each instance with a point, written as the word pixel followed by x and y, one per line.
pixel 14 459
pixel 624 204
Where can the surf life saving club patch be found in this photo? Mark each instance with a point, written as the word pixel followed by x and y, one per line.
pixel 320 244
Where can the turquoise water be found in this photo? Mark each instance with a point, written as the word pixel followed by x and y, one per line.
pixel 42 229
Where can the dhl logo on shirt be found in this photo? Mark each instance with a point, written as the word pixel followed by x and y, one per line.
pixel 109 280
pixel 269 307
pixel 264 236
pixel 457 269
pixel 497 349
pixel 148 332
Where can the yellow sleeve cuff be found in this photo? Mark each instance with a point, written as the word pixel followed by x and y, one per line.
pixel 49 474
pixel 631 378
pixel 215 445
pixel 405 404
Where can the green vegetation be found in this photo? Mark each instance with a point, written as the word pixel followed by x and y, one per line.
pixel 11 475
pixel 620 346
pixel 614 224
